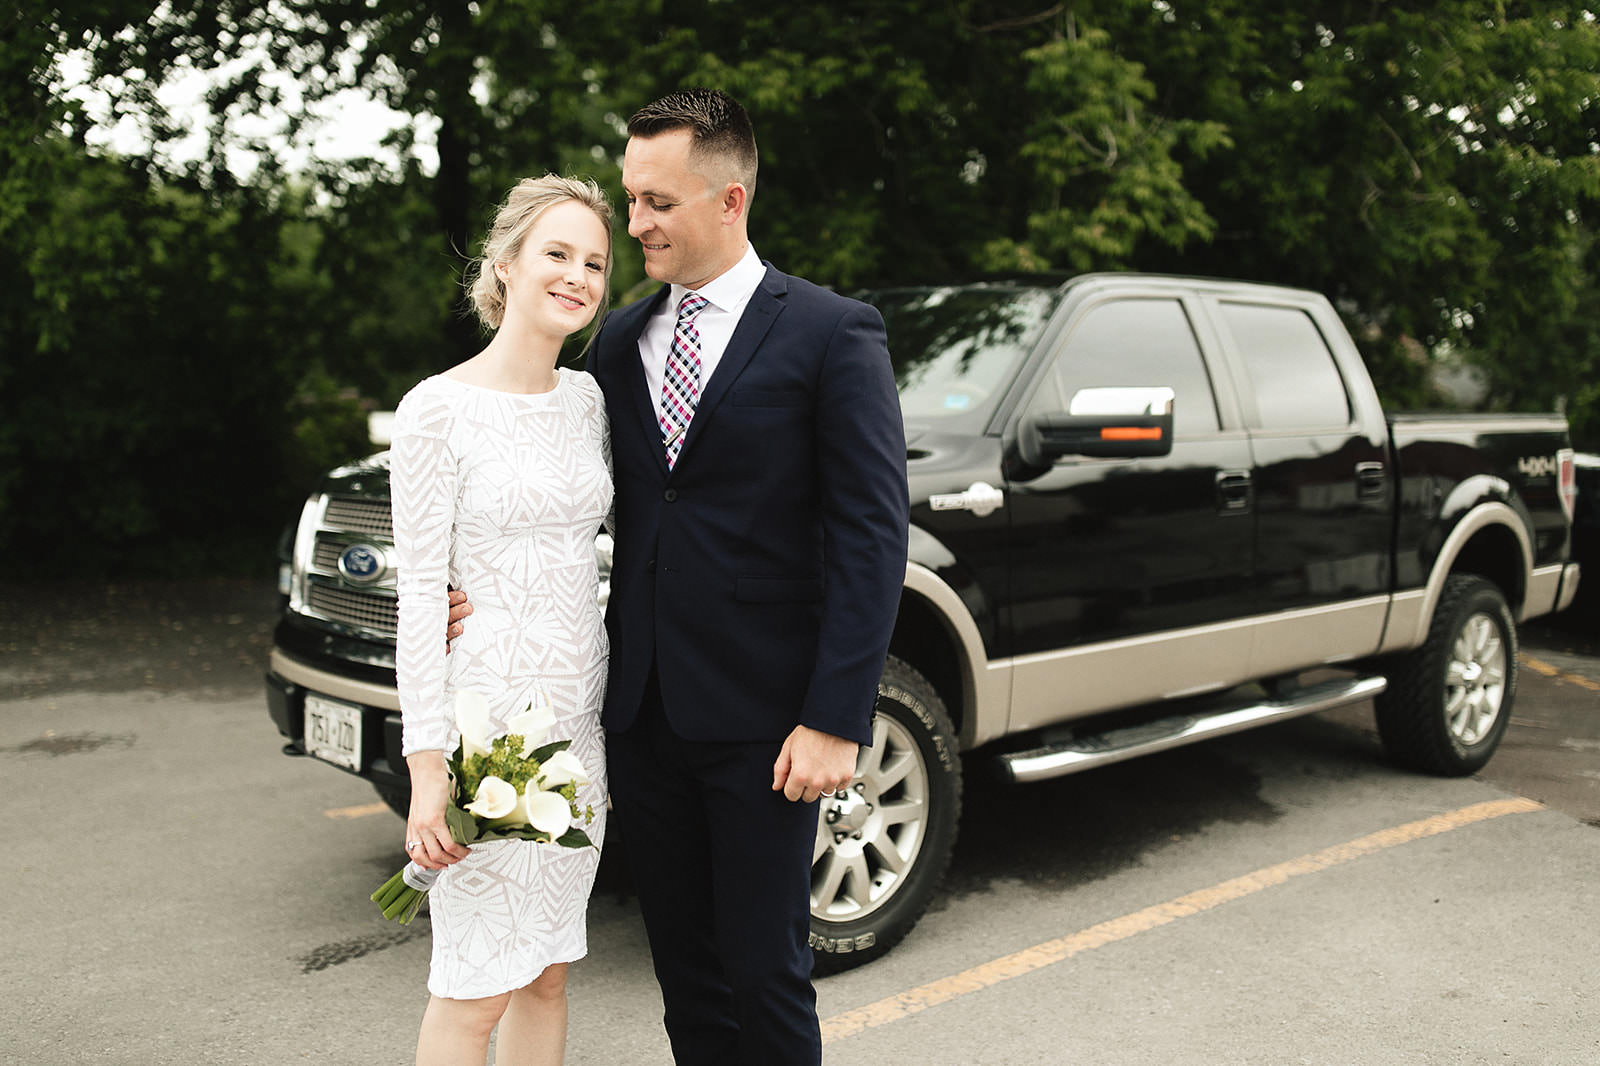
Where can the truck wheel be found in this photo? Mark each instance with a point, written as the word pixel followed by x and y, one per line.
pixel 884 842
pixel 1448 701
pixel 397 797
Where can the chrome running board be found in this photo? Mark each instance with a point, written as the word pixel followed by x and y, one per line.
pixel 1102 749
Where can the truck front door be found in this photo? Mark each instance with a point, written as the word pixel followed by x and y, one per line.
pixel 1123 554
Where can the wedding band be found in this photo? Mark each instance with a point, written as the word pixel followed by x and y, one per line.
pixel 830 792
pixel 413 844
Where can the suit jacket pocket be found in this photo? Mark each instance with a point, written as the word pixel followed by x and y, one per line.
pixel 777 589
pixel 763 396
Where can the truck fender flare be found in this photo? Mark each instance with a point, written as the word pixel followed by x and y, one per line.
pixel 1411 612
pixel 985 692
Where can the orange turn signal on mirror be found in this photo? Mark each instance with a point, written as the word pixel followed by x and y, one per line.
pixel 1130 433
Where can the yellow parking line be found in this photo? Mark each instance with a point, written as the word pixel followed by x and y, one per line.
pixel 356 812
pixel 1542 667
pixel 894 1008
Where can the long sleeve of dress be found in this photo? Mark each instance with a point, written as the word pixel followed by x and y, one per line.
pixel 423 475
pixel 609 524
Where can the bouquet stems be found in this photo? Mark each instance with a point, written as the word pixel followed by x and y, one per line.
pixel 401 896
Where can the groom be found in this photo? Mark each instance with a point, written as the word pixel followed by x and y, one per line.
pixel 761 517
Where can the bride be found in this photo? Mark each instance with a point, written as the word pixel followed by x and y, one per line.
pixel 500 480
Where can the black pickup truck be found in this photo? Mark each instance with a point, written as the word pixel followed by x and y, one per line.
pixel 1146 511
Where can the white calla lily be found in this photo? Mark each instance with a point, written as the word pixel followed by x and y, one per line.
pixel 533 725
pixel 561 768
pixel 495 798
pixel 548 812
pixel 472 720
pixel 515 818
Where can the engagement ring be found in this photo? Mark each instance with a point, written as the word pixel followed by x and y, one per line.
pixel 413 844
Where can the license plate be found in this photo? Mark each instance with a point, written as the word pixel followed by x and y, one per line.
pixel 333 731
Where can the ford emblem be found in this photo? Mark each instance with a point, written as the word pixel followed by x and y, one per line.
pixel 362 564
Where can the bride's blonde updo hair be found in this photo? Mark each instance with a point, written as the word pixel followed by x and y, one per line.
pixel 523 205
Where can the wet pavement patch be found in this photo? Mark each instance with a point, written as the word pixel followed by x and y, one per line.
pixel 72 743
pixel 345 950
pixel 1081 828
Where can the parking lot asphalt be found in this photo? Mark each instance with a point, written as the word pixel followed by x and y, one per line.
pixel 181 892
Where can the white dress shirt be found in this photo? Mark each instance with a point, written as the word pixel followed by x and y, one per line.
pixel 726 296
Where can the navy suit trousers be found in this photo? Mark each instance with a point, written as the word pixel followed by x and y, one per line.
pixel 722 866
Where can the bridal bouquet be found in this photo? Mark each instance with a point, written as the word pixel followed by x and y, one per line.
pixel 521 786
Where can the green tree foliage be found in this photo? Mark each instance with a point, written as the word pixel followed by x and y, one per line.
pixel 508 88
pixel 177 335
pixel 906 141
pixel 1431 166
pixel 148 391
pixel 149 337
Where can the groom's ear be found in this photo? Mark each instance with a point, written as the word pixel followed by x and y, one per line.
pixel 735 203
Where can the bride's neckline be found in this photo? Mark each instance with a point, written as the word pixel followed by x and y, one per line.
pixel 561 375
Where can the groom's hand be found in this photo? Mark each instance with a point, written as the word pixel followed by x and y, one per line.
pixel 811 763
pixel 459 609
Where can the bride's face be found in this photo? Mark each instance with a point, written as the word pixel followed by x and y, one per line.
pixel 558 279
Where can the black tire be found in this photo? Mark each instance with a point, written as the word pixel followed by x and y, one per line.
pixel 398 797
pixel 1449 701
pixel 873 877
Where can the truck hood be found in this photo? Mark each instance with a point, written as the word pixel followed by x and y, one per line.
pixel 367 477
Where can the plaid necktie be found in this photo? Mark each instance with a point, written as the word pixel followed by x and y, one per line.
pixel 680 385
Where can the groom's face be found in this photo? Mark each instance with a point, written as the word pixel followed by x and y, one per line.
pixel 678 214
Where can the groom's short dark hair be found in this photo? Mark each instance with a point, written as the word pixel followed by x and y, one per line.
pixel 719 124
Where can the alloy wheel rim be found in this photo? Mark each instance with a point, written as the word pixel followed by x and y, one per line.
pixel 868 836
pixel 1475 680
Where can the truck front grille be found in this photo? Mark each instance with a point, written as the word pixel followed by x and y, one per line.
pixel 368 609
pixel 326 555
pixel 360 516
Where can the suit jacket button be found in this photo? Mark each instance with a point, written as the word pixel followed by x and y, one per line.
pixel 650 567
pixel 670 495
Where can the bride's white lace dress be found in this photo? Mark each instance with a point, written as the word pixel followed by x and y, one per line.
pixel 501 495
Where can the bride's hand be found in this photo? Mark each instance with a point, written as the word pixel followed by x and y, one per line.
pixel 459 609
pixel 428 840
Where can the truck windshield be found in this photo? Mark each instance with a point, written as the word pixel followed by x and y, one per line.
pixel 955 349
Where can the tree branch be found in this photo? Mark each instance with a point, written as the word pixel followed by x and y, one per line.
pixel 1416 170
pixel 1020 21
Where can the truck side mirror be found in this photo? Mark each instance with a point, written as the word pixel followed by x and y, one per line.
pixel 1106 423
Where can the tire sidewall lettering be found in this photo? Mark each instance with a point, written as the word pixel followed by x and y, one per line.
pixel 842 945
pixel 930 731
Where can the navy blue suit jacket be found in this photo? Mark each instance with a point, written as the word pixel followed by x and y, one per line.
pixel 762 574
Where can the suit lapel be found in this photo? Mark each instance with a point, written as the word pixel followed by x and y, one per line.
pixel 765 305
pixel 644 405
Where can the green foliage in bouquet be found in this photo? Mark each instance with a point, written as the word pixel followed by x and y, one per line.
pixel 506 760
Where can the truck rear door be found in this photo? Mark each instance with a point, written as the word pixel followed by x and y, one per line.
pixel 1322 478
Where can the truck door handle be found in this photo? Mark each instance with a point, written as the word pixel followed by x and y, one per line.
pixel 1234 491
pixel 981 498
pixel 1370 479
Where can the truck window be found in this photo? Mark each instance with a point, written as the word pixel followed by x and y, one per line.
pixel 955 350
pixel 1297 384
pixel 1135 342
